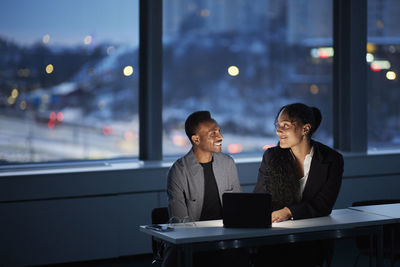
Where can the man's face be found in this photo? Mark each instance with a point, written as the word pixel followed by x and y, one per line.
pixel 208 137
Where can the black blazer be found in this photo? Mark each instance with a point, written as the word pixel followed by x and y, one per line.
pixel 323 183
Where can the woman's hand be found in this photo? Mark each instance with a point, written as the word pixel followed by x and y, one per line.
pixel 281 215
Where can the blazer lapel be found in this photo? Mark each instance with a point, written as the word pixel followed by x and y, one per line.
pixel 316 176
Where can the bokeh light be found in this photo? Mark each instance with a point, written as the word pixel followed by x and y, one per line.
pixel 314 89
pixel 107 130
pixel 46 39
pixel 87 40
pixel 49 68
pixel 179 140
pixel 267 146
pixel 128 70
pixel 22 105
pixel 14 93
pixel 60 116
pixel 205 13
pixel 235 148
pixel 233 71
pixel 391 75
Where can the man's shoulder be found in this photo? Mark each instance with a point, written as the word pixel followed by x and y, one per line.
pixel 223 157
pixel 184 161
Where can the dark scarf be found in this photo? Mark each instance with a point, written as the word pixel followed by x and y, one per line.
pixel 281 180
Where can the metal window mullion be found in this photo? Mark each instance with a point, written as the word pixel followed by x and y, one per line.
pixel 350 72
pixel 150 80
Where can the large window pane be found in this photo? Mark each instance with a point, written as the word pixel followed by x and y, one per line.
pixel 243 60
pixel 383 56
pixel 68 80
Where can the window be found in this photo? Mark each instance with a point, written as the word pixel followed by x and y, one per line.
pixel 243 60
pixel 383 56
pixel 69 80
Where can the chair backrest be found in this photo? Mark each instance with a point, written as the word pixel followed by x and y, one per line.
pixel 159 215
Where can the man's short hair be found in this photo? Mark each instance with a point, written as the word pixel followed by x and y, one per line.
pixel 193 121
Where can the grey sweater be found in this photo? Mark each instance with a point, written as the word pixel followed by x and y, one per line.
pixel 185 184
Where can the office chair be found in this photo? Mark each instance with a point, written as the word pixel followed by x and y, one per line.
pixel 158 215
pixel 391 236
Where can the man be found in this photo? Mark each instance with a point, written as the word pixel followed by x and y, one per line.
pixel 197 181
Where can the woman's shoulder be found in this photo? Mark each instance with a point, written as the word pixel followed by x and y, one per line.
pixel 276 154
pixel 276 150
pixel 327 152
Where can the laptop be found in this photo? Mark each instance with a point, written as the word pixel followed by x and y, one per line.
pixel 246 210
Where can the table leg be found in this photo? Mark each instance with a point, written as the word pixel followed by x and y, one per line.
pixel 185 256
pixel 188 256
pixel 372 248
pixel 379 247
pixel 393 246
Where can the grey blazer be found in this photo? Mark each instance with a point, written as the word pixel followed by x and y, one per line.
pixel 185 184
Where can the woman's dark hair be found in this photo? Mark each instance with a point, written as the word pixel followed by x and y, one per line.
pixel 303 114
pixel 193 121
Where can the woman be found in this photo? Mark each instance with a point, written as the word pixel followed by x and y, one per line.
pixel 302 175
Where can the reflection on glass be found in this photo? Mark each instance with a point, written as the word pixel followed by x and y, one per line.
pixel 383 57
pixel 68 80
pixel 243 60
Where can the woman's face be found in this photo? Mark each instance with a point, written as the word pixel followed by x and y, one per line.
pixel 289 131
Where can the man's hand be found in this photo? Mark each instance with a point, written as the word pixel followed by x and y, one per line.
pixel 281 215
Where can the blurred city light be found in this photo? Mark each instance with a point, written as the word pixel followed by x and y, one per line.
pixel 22 105
pixel 379 24
pixel 11 100
pixel 322 52
pixel 46 39
pixel 233 71
pixel 53 116
pixel 378 65
pixel 314 89
pixel 370 57
pixel 87 40
pixel 60 116
pixel 50 124
pixel 235 148
pixel 371 48
pixel 49 68
pixel 205 13
pixel 129 135
pixel 391 75
pixel 107 130
pixel 128 70
pixel 267 146
pixel 14 93
pixel 179 140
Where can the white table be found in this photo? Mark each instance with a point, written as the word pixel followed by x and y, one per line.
pixel 387 210
pixel 211 235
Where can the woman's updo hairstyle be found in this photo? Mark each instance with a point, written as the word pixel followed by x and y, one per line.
pixel 303 114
